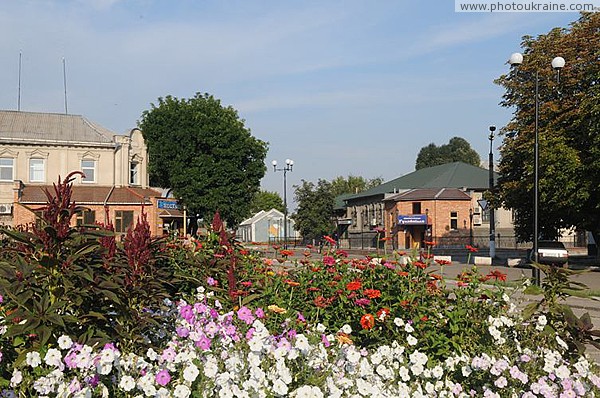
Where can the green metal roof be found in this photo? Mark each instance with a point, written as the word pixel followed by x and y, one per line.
pixel 340 203
pixel 449 175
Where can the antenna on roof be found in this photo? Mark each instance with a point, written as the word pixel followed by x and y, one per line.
pixel 19 94
pixel 65 83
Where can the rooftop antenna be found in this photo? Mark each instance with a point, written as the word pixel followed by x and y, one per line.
pixel 19 96
pixel 65 83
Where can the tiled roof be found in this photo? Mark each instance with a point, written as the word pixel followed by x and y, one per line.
pixel 430 194
pixel 92 194
pixel 449 175
pixel 26 127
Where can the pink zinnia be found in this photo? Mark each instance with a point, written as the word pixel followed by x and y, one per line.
pixel 163 377
pixel 362 302
pixel 328 260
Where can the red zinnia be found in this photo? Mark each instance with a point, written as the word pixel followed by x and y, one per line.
pixel 499 276
pixel 328 260
pixel 330 240
pixel 471 248
pixel 443 262
pixel 367 321
pixel 355 285
pixel 372 293
pixel 420 264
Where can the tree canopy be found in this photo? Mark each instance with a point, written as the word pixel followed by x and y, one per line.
pixel 314 213
pixel 353 184
pixel 456 150
pixel 202 150
pixel 569 121
pixel 266 200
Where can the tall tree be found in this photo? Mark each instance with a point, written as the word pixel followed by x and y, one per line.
pixel 314 210
pixel 204 152
pixel 353 184
pixel 266 200
pixel 569 143
pixel 456 150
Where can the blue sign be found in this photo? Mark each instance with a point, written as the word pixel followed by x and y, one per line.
pixel 168 204
pixel 412 219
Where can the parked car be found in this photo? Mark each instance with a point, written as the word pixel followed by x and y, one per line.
pixel 551 253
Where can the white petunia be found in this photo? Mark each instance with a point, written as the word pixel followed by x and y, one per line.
pixel 190 373
pixel 127 383
pixel 53 358
pixel 411 340
pixel 33 359
pixel 181 391
pixel 65 342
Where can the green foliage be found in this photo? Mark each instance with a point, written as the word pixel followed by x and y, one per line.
pixel 315 209
pixel 60 279
pixel 456 150
pixel 569 157
pixel 204 152
pixel 353 184
pixel 265 200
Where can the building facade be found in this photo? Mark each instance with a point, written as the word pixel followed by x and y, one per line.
pixel 369 215
pixel 36 149
pixel 266 227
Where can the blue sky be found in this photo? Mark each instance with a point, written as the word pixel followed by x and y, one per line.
pixel 341 87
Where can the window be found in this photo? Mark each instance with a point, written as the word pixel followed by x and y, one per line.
pixel 7 169
pixel 416 208
pixel 86 217
pixel 453 221
pixel 89 169
pixel 123 219
pixel 36 170
pixel 134 170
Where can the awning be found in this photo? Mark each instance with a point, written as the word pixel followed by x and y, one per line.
pixel 171 213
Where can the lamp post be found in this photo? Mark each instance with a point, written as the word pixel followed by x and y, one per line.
pixel 471 227
pixel 557 64
pixel 490 205
pixel 289 165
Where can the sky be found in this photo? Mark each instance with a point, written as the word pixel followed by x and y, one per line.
pixel 340 87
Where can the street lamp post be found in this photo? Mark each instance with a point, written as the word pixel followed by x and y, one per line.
pixel 557 64
pixel 471 227
pixel 490 205
pixel 289 165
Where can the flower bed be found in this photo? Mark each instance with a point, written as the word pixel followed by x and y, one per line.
pixel 84 315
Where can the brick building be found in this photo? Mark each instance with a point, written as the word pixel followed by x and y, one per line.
pixel 446 199
pixel 36 148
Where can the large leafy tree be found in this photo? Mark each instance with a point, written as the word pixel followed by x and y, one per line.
pixel 456 150
pixel 314 212
pixel 353 184
pixel 569 121
pixel 266 200
pixel 203 151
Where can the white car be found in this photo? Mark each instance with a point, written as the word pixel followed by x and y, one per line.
pixel 551 253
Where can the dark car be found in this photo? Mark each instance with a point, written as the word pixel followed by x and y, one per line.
pixel 551 253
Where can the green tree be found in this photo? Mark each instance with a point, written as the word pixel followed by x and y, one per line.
pixel 204 152
pixel 314 210
pixel 569 144
pixel 353 184
pixel 456 150
pixel 266 200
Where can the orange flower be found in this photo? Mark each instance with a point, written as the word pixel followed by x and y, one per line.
pixel 286 253
pixel 383 313
pixel 430 243
pixel 402 273
pixel 343 338
pixel 355 285
pixel 367 321
pixel 443 262
pixel 404 303
pixel 420 264
pixel 291 282
pixel 276 309
pixel 330 240
pixel 372 293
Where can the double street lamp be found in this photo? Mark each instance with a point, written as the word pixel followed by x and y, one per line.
pixel 490 205
pixel 289 165
pixel 558 63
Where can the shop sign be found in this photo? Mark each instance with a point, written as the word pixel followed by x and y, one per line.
pixel 412 219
